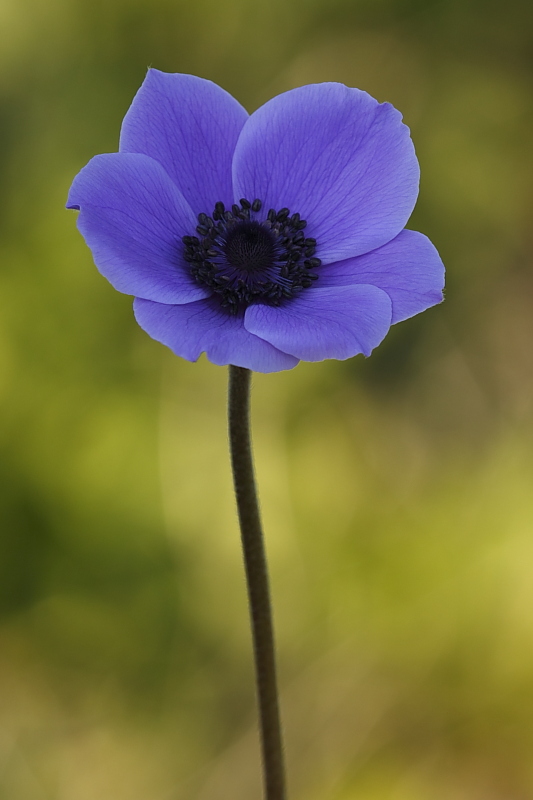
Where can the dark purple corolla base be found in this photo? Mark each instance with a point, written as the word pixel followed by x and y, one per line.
pixel 330 155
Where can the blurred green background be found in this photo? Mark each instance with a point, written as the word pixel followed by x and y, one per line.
pixel 397 491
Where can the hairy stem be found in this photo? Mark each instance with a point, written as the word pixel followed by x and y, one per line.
pixel 257 581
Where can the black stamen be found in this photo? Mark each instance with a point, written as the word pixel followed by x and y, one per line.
pixel 244 260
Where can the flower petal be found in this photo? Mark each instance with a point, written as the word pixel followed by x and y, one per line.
pixel 192 329
pixel 409 269
pixel 336 156
pixel 190 125
pixel 133 217
pixel 325 322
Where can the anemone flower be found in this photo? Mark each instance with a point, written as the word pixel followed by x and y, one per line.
pixel 261 240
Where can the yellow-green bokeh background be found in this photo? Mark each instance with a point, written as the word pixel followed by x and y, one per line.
pixel 397 491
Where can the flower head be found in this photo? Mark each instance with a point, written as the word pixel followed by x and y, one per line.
pixel 260 239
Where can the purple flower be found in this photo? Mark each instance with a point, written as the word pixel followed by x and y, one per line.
pixel 264 239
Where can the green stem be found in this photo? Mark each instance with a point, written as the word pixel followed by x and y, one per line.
pixel 257 581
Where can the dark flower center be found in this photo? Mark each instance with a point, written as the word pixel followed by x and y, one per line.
pixel 244 257
pixel 250 247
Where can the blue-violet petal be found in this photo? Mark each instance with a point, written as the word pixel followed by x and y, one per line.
pixel 337 157
pixel 133 217
pixel 333 322
pixel 190 330
pixel 190 125
pixel 408 268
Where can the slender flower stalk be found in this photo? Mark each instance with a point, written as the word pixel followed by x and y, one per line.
pixel 256 580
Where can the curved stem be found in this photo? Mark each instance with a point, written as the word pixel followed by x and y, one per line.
pixel 257 581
